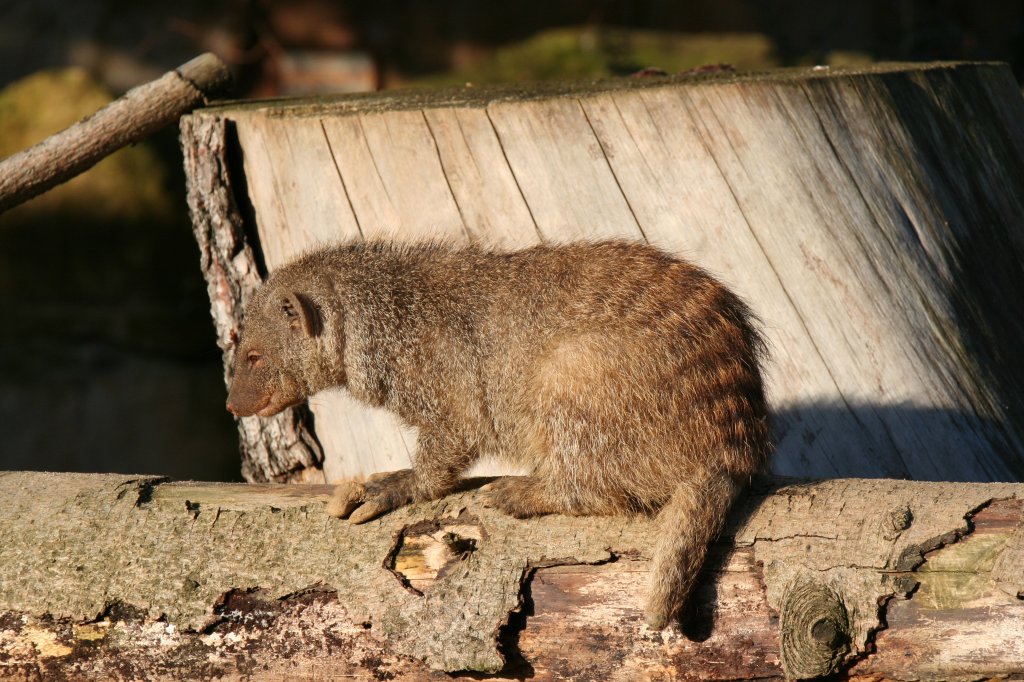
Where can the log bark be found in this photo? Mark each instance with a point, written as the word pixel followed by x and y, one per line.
pixel 138 114
pixel 120 577
pixel 872 218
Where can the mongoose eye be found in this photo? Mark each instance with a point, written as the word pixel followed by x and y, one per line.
pixel 254 359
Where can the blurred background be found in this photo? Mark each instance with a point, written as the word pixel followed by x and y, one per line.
pixel 107 352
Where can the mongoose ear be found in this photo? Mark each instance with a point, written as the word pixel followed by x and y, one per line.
pixel 303 316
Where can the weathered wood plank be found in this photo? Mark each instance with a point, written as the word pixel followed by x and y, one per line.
pixel 397 185
pixel 943 249
pixel 881 349
pixel 562 171
pixel 294 187
pixel 489 199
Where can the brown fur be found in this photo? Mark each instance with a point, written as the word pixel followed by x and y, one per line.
pixel 625 379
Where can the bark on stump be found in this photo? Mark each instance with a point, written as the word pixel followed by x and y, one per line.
pixel 118 577
pixel 873 219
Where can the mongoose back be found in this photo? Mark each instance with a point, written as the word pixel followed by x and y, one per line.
pixel 624 379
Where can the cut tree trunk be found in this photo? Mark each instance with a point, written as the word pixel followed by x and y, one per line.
pixel 117 577
pixel 872 218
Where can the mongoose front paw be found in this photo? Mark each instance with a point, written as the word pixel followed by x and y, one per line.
pixel 380 494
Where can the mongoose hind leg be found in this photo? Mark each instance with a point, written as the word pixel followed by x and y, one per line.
pixel 521 497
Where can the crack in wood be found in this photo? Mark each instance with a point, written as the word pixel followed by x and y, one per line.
pixel 911 560
pixel 512 171
pixel 611 168
pixel 341 179
pixel 915 555
pixel 870 643
pixel 506 635
pixel 143 488
pixel 466 228
pixel 252 608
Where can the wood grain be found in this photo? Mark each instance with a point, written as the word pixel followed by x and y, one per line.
pixel 295 187
pixel 486 191
pixel 562 170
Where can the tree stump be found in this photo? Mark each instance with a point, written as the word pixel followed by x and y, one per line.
pixel 116 577
pixel 872 218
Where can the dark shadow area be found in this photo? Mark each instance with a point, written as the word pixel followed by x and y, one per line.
pixel 516 665
pixel 976 175
pixel 240 195
pixel 127 43
pixel 108 361
pixel 108 358
pixel 839 440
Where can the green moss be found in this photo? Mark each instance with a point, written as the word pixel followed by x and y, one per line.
pixel 583 53
pixel 128 185
pixel 105 258
pixel 959 573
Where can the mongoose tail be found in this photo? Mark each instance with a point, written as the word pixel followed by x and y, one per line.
pixel 691 519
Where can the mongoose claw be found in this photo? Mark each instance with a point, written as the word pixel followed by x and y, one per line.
pixel 370 510
pixel 380 501
pixel 347 496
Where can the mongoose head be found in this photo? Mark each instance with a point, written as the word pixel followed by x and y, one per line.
pixel 276 358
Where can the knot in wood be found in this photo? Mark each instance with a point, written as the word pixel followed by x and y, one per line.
pixel 896 521
pixel 814 629
pixel 824 632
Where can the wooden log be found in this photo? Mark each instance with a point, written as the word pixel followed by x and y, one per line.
pixel 872 218
pixel 142 111
pixel 119 577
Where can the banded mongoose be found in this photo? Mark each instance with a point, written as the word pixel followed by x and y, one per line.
pixel 625 379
